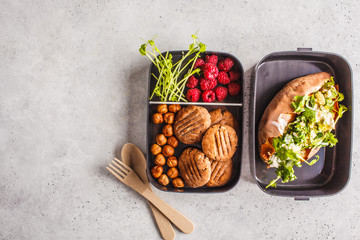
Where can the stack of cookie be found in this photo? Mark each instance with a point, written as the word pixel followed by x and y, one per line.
pixel 213 164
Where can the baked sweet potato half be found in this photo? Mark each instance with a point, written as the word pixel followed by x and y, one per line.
pixel 298 122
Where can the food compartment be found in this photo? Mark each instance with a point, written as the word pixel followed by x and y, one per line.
pixel 176 55
pixel 155 129
pixel 331 173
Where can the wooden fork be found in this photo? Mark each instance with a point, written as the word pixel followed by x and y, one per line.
pixel 126 175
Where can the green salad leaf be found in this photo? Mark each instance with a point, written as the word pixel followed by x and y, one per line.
pixel 299 102
pixel 341 111
pixel 310 115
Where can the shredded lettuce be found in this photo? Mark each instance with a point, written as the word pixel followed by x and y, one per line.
pixel 341 111
pixel 299 102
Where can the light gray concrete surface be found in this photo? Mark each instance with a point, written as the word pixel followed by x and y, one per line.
pixel 72 92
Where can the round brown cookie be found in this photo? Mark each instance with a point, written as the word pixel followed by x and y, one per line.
pixel 222 117
pixel 191 123
pixel 194 167
pixel 220 173
pixel 220 142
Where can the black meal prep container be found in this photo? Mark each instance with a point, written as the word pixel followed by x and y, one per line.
pixel 232 104
pixel 332 171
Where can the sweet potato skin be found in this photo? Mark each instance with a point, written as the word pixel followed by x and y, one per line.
pixel 279 112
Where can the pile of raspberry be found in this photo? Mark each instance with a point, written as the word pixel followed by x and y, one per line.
pixel 216 80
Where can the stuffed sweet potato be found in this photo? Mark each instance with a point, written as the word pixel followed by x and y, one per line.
pixel 298 122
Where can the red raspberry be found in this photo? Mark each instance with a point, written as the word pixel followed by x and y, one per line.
pixel 206 84
pixel 193 95
pixel 210 71
pixel 211 59
pixel 192 82
pixel 226 64
pixel 223 78
pixel 213 83
pixel 234 75
pixel 234 88
pixel 199 63
pixel 221 93
pixel 208 96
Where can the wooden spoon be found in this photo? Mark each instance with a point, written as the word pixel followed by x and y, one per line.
pixel 132 156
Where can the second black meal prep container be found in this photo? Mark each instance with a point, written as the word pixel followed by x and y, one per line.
pixel 328 176
pixel 332 171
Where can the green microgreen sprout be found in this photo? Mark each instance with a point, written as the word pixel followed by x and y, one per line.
pixel 171 78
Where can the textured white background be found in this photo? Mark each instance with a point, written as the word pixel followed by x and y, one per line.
pixel 72 92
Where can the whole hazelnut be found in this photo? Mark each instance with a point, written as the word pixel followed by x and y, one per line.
pixel 172 141
pixel 172 172
pixel 174 108
pixel 155 149
pixel 156 171
pixel 161 139
pixel 167 130
pixel 169 117
pixel 178 182
pixel 157 118
pixel 168 151
pixel 160 160
pixel 172 161
pixel 163 180
pixel 162 108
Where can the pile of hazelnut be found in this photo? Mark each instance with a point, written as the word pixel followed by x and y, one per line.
pixel 164 146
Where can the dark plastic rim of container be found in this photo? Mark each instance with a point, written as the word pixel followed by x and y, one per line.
pixel 241 140
pixel 252 149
